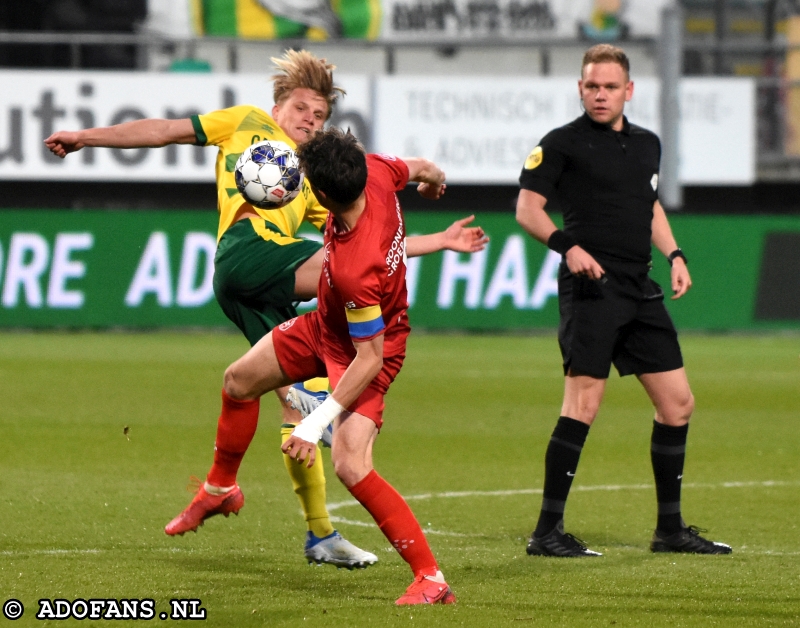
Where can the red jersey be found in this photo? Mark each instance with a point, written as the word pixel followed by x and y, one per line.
pixel 362 288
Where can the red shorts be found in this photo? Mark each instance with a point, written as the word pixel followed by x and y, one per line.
pixel 302 356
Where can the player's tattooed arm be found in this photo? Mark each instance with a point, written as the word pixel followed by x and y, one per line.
pixel 457 237
pixel 150 133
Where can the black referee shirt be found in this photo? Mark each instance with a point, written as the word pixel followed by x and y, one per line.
pixel 606 183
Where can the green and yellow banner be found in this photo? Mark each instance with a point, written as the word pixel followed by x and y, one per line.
pixel 427 21
pixel 316 20
pixel 141 269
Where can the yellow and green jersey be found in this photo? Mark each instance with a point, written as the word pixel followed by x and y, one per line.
pixel 232 130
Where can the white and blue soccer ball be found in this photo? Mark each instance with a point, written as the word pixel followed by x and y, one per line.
pixel 268 174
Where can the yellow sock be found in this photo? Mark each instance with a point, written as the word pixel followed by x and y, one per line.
pixel 309 486
pixel 318 384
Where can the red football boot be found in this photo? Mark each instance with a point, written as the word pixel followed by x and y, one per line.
pixel 427 590
pixel 203 506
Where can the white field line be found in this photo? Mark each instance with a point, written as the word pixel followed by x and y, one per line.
pixel 75 552
pixel 537 491
pixel 425 496
pixel 49 552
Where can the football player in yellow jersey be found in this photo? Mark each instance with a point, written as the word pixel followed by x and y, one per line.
pixel 262 268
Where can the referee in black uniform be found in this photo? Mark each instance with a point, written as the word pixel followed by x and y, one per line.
pixel 604 172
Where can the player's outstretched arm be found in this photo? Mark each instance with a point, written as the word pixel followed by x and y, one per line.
pixel 302 444
pixel 457 237
pixel 534 219
pixel 150 133
pixel 665 242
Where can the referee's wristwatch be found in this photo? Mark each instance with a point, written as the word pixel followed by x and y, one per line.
pixel 676 253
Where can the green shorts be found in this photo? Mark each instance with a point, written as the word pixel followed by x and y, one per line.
pixel 254 275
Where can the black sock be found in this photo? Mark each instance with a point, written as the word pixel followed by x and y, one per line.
pixel 667 452
pixel 560 464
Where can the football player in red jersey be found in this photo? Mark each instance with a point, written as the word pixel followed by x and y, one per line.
pixel 356 337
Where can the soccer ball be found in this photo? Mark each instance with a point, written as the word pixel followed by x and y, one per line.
pixel 268 174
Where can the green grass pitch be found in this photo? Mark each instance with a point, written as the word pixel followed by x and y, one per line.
pixel 83 506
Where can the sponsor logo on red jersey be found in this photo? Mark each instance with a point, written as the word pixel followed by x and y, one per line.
pixel 287 324
pixel 397 251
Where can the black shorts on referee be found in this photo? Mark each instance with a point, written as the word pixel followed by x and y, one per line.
pixel 621 320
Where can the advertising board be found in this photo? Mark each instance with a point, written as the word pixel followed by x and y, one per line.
pixel 154 269
pixel 35 104
pixel 479 129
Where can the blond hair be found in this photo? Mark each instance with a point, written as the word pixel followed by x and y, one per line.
pixel 606 53
pixel 301 69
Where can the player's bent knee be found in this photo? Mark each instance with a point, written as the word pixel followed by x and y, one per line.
pixel 349 473
pixel 236 386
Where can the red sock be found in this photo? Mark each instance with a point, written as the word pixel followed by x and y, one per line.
pixel 235 429
pixel 396 521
